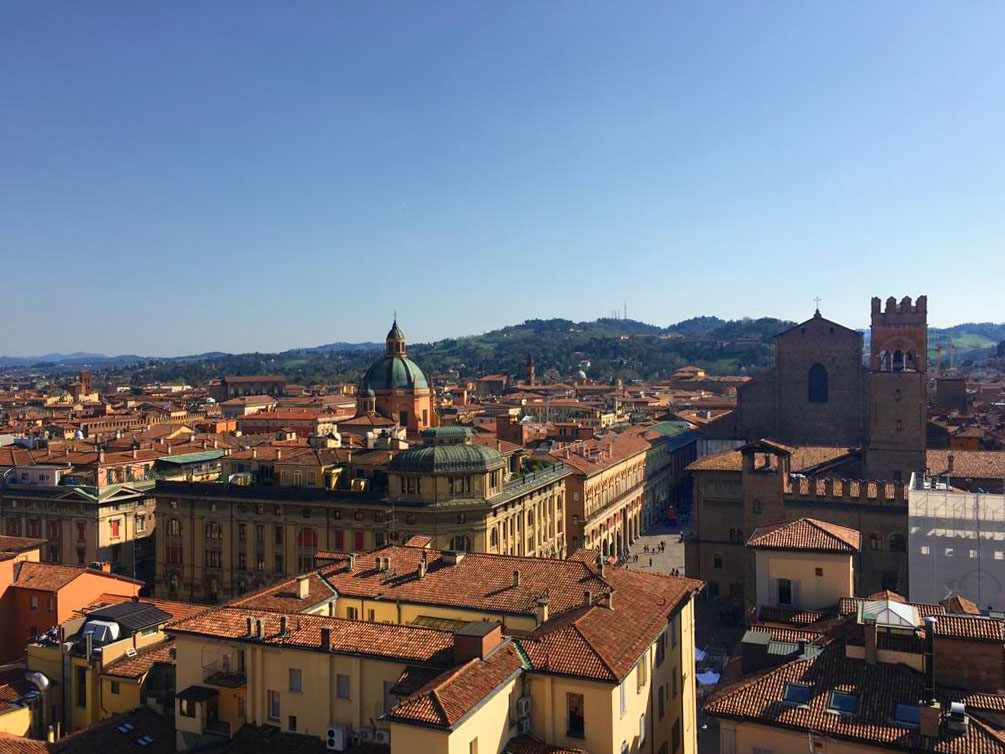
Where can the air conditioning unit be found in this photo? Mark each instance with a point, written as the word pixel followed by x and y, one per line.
pixel 523 726
pixel 337 738
pixel 523 706
pixel 366 734
pixel 382 736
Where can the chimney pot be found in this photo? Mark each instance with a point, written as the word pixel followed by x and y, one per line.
pixel 249 626
pixel 587 598
pixel 516 577
pixel 352 561
pixel 282 625
pixel 326 639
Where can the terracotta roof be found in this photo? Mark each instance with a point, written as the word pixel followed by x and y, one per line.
pixel 106 737
pixel 529 745
pixel 602 642
pixel 848 605
pixel 972 464
pixel 888 595
pixel 970 627
pixel 479 581
pixel 418 540
pixel 139 665
pixel 605 452
pixel 788 616
pixel 448 698
pixel 283 596
pixel 11 744
pixel 879 687
pixel 804 457
pixel 13 687
pixel 806 534
pixel 409 644
pixel 49 577
pixel 960 604
pixel 19 544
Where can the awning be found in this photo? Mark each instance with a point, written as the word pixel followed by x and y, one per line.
pixel 197 693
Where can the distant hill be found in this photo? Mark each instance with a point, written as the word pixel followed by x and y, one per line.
pixel 606 348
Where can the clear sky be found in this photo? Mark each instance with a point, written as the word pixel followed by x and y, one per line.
pixel 178 177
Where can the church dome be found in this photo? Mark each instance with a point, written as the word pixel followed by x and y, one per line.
pixel 393 372
pixel 451 458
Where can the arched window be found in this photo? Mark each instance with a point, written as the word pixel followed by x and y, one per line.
pixel 875 541
pixel 898 361
pixel 816 384
pixel 307 545
pixel 897 543
pixel 494 538
pixel 174 527
pixel 460 542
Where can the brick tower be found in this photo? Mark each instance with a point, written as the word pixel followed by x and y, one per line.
pixel 898 366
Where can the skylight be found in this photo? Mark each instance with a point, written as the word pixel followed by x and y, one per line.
pixel 907 714
pixel 797 693
pixel 843 702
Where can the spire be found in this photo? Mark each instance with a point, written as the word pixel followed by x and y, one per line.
pixel 817 302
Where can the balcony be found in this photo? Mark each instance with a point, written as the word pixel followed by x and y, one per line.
pixel 223 675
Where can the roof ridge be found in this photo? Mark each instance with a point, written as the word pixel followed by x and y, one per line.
pixel 587 642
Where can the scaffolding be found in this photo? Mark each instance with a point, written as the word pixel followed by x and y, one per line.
pixel 956 544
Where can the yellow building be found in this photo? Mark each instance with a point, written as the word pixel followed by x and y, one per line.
pixel 807 564
pixel 112 659
pixel 221 540
pixel 434 651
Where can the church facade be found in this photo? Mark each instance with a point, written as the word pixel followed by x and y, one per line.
pixel 823 392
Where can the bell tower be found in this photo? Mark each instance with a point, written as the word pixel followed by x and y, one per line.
pixel 898 373
pixel 529 369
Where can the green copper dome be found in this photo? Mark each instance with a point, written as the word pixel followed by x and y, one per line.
pixel 446 459
pixel 393 372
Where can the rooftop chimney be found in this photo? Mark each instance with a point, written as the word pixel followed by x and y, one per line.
pixel 352 561
pixel 303 587
pixel 587 598
pixel 258 628
pixel 249 627
pixel 326 639
pixel 422 568
pixel 476 639
pixel 609 599
pixel 516 577
pixel 279 454
pixel 871 639
pixel 542 610
pixel 929 661
pixel 282 625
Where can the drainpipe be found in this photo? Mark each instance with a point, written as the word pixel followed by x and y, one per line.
pixel 40 682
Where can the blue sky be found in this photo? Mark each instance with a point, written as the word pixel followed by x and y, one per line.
pixel 180 177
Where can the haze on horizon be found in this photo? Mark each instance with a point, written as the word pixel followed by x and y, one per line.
pixel 247 176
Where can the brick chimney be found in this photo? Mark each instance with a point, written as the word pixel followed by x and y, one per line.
pixel 303 587
pixel 871 638
pixel 542 610
pixel 326 639
pixel 476 639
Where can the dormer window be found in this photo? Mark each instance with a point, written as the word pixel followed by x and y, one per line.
pixel 797 693
pixel 843 702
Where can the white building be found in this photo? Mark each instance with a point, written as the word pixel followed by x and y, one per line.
pixel 956 544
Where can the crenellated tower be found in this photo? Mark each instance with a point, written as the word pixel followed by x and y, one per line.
pixel 898 366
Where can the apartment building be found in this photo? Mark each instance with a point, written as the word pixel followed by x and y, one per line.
pixel 110 657
pixel 221 540
pixel 441 651
pixel 624 482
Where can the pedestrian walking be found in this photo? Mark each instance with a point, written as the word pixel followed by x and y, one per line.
pixel 650 562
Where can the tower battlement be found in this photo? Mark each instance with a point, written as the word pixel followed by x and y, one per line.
pixel 902 312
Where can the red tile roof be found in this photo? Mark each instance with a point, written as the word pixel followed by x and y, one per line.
pixel 603 642
pixel 803 457
pixel 448 698
pixel 283 596
pixel 479 581
pixel 139 665
pixel 409 644
pixel 806 534
pixel 177 610
pixel 49 577
pixel 758 698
